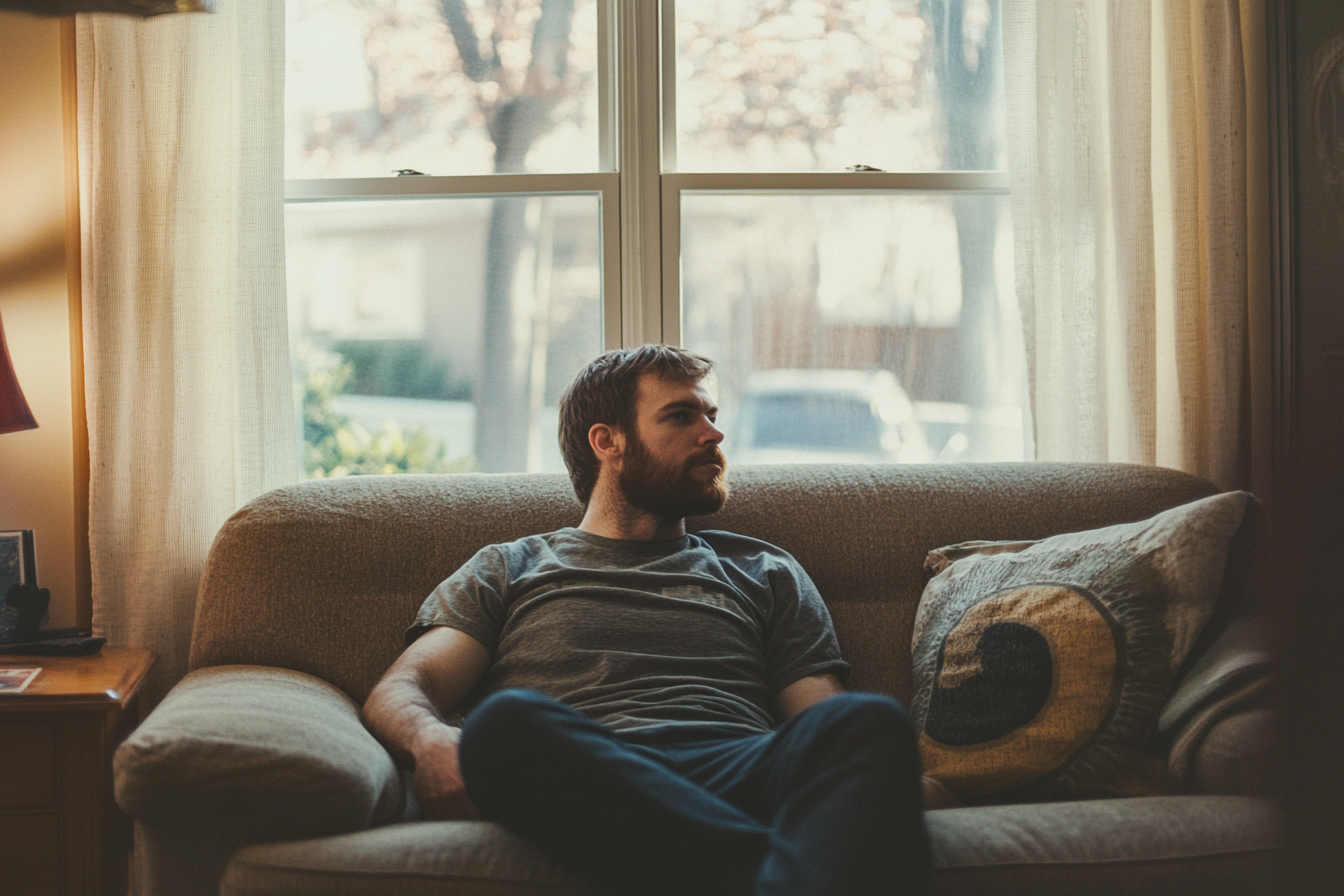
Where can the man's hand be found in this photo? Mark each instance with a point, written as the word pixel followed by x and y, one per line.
pixel 938 796
pixel 406 712
pixel 439 789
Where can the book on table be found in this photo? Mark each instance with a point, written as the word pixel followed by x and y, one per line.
pixel 14 680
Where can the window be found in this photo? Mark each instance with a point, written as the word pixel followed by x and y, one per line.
pixel 484 194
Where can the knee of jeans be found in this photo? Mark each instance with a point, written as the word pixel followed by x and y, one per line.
pixel 504 716
pixel 876 716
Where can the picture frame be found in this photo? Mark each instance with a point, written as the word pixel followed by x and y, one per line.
pixel 18 560
pixel 18 566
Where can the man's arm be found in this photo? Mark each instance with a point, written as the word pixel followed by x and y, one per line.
pixel 806 691
pixel 406 713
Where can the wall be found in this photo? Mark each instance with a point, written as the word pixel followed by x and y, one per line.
pixel 1308 96
pixel 37 467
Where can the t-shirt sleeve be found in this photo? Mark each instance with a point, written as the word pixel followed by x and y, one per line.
pixel 800 640
pixel 472 600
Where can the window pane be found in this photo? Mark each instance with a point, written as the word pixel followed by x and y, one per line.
pixel 435 335
pixel 799 85
pixel 440 86
pixel 875 328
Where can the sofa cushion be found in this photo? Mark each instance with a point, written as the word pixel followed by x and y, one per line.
pixel 258 751
pixel 1154 846
pixel 1150 846
pixel 1041 666
pixel 465 858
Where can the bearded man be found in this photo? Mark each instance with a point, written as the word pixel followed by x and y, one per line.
pixel 662 711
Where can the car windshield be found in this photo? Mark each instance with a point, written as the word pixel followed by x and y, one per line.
pixel 814 423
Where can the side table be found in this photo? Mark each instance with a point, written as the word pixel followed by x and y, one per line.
pixel 60 831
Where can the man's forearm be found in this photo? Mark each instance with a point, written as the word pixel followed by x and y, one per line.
pixel 403 717
pixel 407 709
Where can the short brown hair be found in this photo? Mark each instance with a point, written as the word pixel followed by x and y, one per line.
pixel 604 392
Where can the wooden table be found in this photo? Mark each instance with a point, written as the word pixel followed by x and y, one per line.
pixel 60 831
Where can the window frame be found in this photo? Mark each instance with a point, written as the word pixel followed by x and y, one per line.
pixel 638 187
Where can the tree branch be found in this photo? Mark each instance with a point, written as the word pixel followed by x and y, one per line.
pixel 458 18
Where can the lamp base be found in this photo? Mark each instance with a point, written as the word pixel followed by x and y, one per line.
pixel 21 616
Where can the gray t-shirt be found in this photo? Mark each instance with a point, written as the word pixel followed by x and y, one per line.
pixel 705 629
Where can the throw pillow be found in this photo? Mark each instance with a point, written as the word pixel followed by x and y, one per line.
pixel 1041 666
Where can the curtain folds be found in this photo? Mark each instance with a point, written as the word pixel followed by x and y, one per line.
pixel 1137 259
pixel 188 396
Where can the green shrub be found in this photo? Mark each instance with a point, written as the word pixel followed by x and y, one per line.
pixel 335 444
pixel 401 367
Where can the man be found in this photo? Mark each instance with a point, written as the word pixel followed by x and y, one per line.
pixel 664 711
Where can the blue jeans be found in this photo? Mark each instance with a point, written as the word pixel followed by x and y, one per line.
pixel 828 803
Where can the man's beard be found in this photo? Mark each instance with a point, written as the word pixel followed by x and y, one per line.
pixel 672 491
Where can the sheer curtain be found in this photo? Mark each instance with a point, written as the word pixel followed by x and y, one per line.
pixel 1139 247
pixel 188 395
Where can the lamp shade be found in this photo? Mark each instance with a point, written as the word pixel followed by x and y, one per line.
pixel 14 413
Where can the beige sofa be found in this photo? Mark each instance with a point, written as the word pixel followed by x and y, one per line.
pixel 254 775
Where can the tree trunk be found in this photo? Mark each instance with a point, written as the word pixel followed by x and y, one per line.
pixel 501 406
pixel 504 377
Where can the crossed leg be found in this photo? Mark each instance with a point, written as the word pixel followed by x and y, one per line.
pixel 828 803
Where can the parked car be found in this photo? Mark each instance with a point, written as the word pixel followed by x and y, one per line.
pixel 839 416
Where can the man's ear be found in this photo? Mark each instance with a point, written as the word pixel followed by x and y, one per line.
pixel 607 441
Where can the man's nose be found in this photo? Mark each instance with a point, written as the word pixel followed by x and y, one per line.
pixel 712 434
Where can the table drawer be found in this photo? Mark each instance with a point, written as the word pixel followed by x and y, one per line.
pixel 29 751
pixel 30 850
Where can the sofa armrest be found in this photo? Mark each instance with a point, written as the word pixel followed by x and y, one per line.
pixel 265 752
pixel 1234 756
pixel 1214 724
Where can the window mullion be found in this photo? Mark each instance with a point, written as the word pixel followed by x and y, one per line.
pixel 844 182
pixel 671 248
pixel 668 84
pixel 640 142
pixel 336 188
pixel 608 145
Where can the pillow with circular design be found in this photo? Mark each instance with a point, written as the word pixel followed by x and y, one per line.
pixel 1041 666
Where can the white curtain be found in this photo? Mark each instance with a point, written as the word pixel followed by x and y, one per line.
pixel 188 397
pixel 1139 254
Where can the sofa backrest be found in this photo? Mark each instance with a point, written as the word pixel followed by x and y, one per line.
pixel 324 577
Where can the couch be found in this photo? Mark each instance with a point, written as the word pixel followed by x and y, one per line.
pixel 254 776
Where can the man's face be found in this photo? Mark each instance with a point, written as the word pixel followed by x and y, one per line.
pixel 672 466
